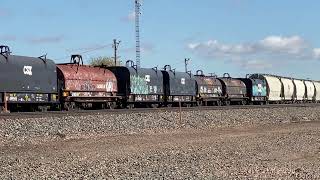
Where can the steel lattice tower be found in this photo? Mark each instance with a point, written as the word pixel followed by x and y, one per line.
pixel 137 24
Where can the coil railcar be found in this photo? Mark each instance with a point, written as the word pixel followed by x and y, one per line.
pixel 234 90
pixel 180 87
pixel 209 89
pixel 27 82
pixel 82 86
pixel 256 89
pixel 31 83
pixel 139 86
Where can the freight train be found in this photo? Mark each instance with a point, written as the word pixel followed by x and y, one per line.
pixel 29 83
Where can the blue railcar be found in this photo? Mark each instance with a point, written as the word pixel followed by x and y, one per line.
pixel 256 89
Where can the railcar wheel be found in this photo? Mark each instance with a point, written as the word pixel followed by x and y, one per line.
pixel 199 103
pixel 205 103
pixel 130 106
pixel 43 108
pixel 70 106
pixel 243 102
pixel 154 105
pixel 227 103
pixel 219 103
pixel 112 105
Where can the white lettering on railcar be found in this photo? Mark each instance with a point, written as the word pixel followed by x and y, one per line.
pixel 27 70
pixel 109 86
pixel 147 78
pixel 183 81
pixel 101 86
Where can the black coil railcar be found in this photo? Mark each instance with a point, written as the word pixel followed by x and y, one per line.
pixel 209 89
pixel 179 87
pixel 27 82
pixel 139 86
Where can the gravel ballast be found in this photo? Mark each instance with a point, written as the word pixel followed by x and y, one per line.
pixel 270 143
pixel 50 128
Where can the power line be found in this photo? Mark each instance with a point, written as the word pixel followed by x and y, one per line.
pixel 87 51
pixel 95 49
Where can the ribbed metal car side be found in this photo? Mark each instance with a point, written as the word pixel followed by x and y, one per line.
pixel 317 90
pixel 274 88
pixel 300 90
pixel 288 89
pixel 310 90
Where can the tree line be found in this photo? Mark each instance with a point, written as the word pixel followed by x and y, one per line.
pixel 103 60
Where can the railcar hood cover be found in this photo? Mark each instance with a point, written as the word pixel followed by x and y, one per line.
pixel 88 78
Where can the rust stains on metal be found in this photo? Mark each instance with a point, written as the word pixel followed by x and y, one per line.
pixel 209 86
pixel 87 78
pixel 234 87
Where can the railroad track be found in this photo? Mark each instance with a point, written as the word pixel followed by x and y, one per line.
pixel 144 110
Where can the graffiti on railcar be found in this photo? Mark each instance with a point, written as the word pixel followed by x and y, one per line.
pixel 210 86
pixel 109 86
pixel 211 89
pixel 87 86
pixel 259 88
pixel 27 97
pixel 143 85
pixel 139 85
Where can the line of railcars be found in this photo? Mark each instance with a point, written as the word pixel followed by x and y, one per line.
pixel 28 83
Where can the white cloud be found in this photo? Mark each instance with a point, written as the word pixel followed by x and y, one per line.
pixel 129 18
pixel 273 48
pixel 293 44
pixel 145 48
pixel 214 48
pixel 316 53
pixel 8 37
pixel 46 39
pixel 275 44
pixel 256 64
pixel 4 12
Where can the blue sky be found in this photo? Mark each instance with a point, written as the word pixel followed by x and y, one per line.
pixel 235 36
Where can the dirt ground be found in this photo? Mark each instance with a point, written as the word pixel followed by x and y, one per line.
pixel 283 151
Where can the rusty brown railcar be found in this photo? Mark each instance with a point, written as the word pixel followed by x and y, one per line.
pixel 234 90
pixel 209 89
pixel 82 86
